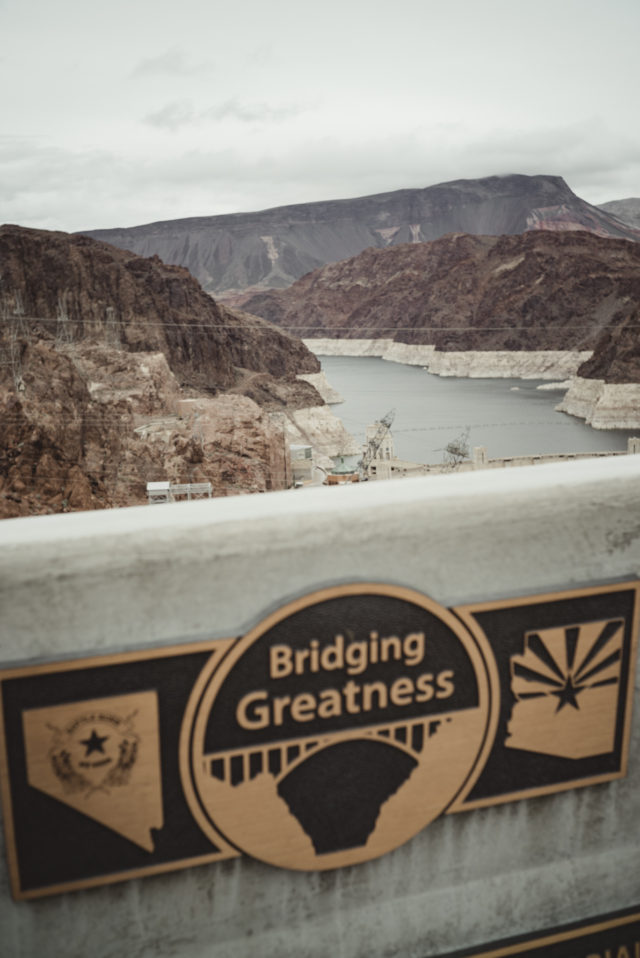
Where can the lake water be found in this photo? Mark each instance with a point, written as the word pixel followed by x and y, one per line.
pixel 508 416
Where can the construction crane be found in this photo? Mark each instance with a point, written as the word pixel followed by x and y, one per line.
pixel 373 444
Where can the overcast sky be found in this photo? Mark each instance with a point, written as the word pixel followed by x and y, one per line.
pixel 129 111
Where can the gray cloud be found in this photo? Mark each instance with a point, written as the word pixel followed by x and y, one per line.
pixel 253 112
pixel 45 186
pixel 48 187
pixel 172 63
pixel 181 113
pixel 338 103
pixel 594 160
pixel 171 116
pixel 262 55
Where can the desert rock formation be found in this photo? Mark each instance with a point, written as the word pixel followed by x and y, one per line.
pixel 542 305
pixel 107 294
pixel 115 371
pixel 539 291
pixel 271 248
pixel 606 391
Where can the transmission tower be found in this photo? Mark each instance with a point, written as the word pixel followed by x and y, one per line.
pixel 384 425
pixel 111 329
pixel 15 334
pixel 19 322
pixel 63 325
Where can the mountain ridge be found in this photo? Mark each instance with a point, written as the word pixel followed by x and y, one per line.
pixel 271 248
pixel 535 291
pixel 626 210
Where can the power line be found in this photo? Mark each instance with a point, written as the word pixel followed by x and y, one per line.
pixel 354 423
pixel 476 425
pixel 268 326
pixel 485 425
pixel 128 478
pixel 109 483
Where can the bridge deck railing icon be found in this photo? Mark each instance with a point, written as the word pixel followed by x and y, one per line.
pixel 236 767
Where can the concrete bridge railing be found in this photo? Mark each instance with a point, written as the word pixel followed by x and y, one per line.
pixel 138 578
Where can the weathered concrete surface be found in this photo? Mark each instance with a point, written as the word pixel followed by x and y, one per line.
pixel 133 578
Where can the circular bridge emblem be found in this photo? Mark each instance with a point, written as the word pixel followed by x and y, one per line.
pixel 338 728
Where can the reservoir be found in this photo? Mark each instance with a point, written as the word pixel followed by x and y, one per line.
pixel 511 417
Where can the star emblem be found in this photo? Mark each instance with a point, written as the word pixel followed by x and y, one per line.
pixel 568 694
pixel 566 686
pixel 95 743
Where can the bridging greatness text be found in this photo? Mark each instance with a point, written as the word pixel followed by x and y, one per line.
pixel 259 709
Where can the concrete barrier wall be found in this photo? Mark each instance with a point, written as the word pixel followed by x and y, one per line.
pixel 134 578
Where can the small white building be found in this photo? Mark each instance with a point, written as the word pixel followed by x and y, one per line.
pixel 302 463
pixel 174 491
pixel 159 492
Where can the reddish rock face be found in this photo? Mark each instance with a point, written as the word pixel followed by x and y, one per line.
pixel 616 358
pixel 89 426
pixel 109 294
pixel 97 346
pixel 541 290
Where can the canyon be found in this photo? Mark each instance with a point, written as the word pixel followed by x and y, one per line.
pixel 549 305
pixel 536 291
pixel 117 370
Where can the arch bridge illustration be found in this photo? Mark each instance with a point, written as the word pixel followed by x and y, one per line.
pixel 237 766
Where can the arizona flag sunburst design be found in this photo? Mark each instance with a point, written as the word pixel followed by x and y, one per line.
pixel 566 686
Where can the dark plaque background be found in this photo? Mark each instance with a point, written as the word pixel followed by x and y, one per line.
pixel 510 770
pixel 577 940
pixel 56 844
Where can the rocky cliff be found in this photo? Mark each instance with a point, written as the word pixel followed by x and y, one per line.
pixel 272 248
pixel 537 291
pixel 81 289
pixel 616 357
pixel 606 390
pixel 116 371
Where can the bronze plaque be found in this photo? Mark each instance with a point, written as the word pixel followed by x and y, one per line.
pixel 330 734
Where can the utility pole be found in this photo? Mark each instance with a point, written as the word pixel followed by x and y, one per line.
pixel 17 334
pixel 63 325
pixel 111 329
